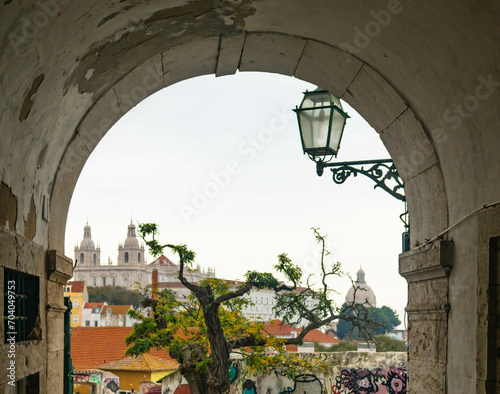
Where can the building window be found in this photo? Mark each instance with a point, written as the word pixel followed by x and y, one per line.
pixel 75 318
pixel 95 323
pixel 94 281
pixel 87 323
pixel 68 289
pixel 82 258
pixel 94 258
pixel 114 281
pixel 29 384
pixel 75 304
pixel 139 257
pixel 126 257
pixel 21 299
pixel 104 281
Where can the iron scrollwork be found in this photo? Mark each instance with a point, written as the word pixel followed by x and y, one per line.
pixel 380 171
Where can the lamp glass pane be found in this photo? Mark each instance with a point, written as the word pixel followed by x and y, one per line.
pixel 314 126
pixel 338 123
pixel 316 99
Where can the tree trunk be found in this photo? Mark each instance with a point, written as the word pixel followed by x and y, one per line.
pixel 218 381
pixel 189 355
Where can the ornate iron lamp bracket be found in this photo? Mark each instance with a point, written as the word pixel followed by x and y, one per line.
pixel 380 171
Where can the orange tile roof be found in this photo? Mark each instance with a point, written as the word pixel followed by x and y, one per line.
pixel 162 260
pixel 76 286
pixel 143 362
pixel 93 346
pixel 116 309
pixel 318 336
pixel 277 327
pixel 92 305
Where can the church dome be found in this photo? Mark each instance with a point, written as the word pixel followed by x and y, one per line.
pixel 131 241
pixel 364 293
pixel 87 242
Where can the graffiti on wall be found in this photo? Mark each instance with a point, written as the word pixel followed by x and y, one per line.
pixel 349 381
pixel 233 372
pixel 182 389
pixel 307 384
pixel 362 381
pixel 81 378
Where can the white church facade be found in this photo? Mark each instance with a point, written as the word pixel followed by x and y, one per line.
pixel 131 267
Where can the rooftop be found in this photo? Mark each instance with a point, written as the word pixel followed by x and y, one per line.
pixel 116 309
pixel 278 328
pixel 163 261
pixel 95 346
pixel 92 305
pixel 144 362
pixel 77 286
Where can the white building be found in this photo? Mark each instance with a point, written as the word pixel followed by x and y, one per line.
pixel 131 266
pixel 263 300
pixel 116 316
pixel 91 314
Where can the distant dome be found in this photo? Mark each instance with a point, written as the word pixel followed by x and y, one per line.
pixel 364 293
pixel 131 241
pixel 87 242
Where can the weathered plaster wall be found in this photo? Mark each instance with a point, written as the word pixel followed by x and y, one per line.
pixel 30 356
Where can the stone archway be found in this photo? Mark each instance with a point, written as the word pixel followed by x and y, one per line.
pixel 355 81
pixel 425 76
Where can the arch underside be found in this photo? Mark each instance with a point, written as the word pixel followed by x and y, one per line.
pixel 354 81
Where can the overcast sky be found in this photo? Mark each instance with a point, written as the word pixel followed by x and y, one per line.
pixel 217 163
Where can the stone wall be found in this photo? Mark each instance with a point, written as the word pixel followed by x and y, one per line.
pixel 348 373
pixel 43 354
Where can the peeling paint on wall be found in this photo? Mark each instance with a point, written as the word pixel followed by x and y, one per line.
pixel 120 53
pixel 28 102
pixel 30 223
pixel 8 204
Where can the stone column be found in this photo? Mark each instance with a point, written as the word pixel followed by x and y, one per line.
pixel 488 303
pixel 59 271
pixel 427 270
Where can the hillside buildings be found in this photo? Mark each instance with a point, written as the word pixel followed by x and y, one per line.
pixel 77 292
pixel 131 266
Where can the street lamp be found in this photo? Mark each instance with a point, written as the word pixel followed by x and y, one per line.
pixel 321 124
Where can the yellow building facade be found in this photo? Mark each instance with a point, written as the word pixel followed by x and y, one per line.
pixel 134 370
pixel 77 292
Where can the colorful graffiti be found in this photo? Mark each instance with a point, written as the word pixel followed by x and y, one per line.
pixel 362 381
pixel 392 380
pixel 309 384
pixel 233 372
pixel 81 378
pixel 94 378
pixel 249 387
pixel 182 389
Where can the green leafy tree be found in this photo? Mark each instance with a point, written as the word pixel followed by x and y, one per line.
pixel 342 346
pixel 114 295
pixel 385 317
pixel 202 332
pixel 387 344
